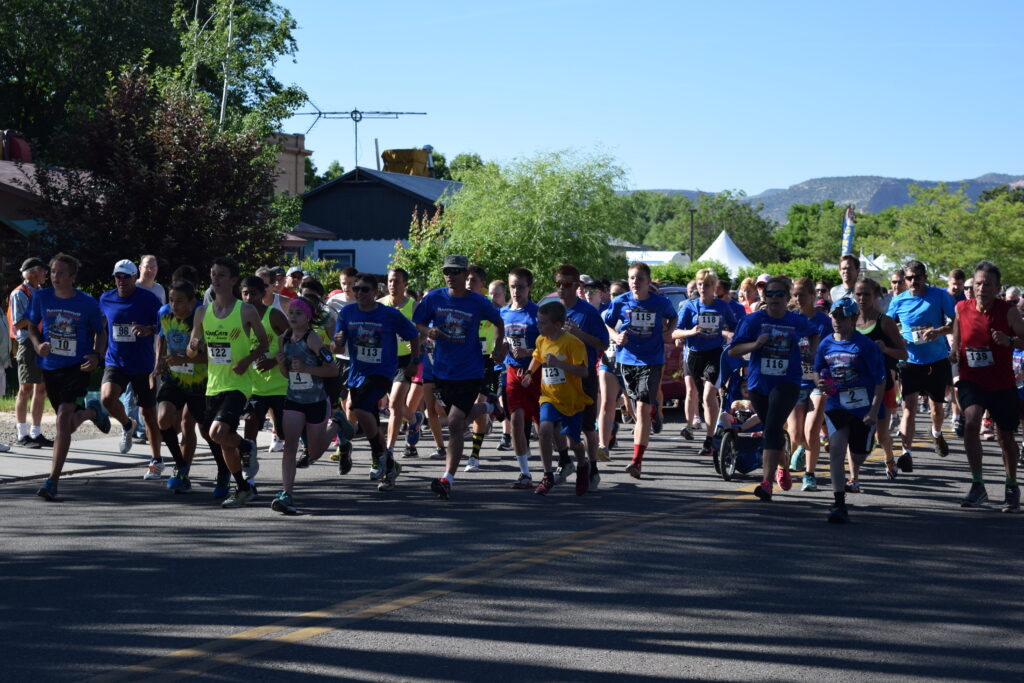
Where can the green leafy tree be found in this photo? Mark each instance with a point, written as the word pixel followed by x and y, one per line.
pixel 813 231
pixel 146 192
pixel 462 163
pixel 1013 194
pixel 536 212
pixel 314 180
pixel 681 275
pixel 800 267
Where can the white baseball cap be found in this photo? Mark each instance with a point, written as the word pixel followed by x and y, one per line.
pixel 125 267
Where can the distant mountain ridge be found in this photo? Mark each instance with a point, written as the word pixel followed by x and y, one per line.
pixel 867 193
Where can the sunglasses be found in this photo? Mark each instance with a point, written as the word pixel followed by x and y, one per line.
pixel 453 271
pixel 564 284
pixel 821 291
pixel 362 288
pixel 775 293
pixel 121 276
pixel 911 278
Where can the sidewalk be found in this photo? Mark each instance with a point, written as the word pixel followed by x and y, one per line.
pixel 89 455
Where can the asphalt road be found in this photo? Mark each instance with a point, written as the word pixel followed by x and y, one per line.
pixel 677 576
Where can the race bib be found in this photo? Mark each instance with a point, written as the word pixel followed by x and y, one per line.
pixel 610 351
pixel 708 323
pixel 516 343
pixel 64 346
pixel 123 333
pixel 978 357
pixel 642 321
pixel 300 380
pixel 806 371
pixel 184 369
pixel 917 335
pixel 854 398
pixel 774 366
pixel 368 354
pixel 219 353
pixel 553 375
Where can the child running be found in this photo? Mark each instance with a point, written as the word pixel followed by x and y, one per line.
pixel 564 360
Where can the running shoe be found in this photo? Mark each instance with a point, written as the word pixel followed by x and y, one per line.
pixel 602 454
pixel 941 447
pixel 239 499
pixel 583 479
pixel 686 433
pixel 27 442
pixel 890 470
pixel 4 448
pixel 43 441
pixel 657 424
pixel 442 487
pixel 440 453
pixel 838 514
pixel 125 444
pixel 565 471
pixel 344 454
pixel 506 442
pixel 374 468
pixel 283 503
pixel 413 436
pixel 763 493
pixel 523 482
pixel 958 427
pixel 303 462
pixel 185 486
pixel 387 482
pixel 221 487
pixel 250 461
pixel 277 446
pixel 1011 503
pixel 706 448
pixel 785 478
pixel 48 491
pixel 633 469
pixel 102 419
pixel 852 486
pixel 547 483
pixel 595 478
pixel 614 443
pixel 905 462
pixel 975 497
pixel 155 471
pixel 140 439
pixel 799 460
pixel 472 465
pixel 810 483
pixel 175 481
pixel 410 452
pixel 335 457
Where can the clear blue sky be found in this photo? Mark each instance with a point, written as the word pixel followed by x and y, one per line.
pixel 686 95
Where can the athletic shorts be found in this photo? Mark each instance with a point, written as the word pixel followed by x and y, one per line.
pixel 29 371
pixel 66 385
pixel 489 385
pixel 889 399
pixel 570 423
pixel 590 387
pixel 145 395
pixel 343 366
pixel 774 409
pixel 518 397
pixel 173 393
pixel 400 374
pixel 804 397
pixel 931 379
pixel 704 365
pixel 315 413
pixel 367 395
pixel 226 407
pixel 862 437
pixel 458 393
pixel 642 382
pixel 257 407
pixel 1003 406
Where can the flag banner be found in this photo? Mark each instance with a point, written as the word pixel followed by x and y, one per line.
pixel 849 223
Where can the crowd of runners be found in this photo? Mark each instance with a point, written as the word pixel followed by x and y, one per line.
pixel 807 366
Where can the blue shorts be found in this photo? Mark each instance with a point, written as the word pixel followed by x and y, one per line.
pixel 572 426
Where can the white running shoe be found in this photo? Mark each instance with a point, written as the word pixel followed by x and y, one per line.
pixel 277 446
pixel 155 471
pixel 472 465
pixel 126 436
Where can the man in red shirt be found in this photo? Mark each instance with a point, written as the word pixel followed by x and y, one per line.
pixel 985 332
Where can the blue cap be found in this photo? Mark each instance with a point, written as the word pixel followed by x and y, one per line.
pixel 846 307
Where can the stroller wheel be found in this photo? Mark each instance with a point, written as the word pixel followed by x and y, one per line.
pixel 726 459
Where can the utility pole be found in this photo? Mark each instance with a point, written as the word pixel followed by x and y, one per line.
pixel 692 211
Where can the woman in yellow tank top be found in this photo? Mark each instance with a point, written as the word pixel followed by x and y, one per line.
pixel 398 297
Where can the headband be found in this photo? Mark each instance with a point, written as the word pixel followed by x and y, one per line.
pixel 304 306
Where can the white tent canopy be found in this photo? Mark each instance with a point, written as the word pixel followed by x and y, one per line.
pixel 724 250
pixel 657 258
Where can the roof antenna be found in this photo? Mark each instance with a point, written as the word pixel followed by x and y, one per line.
pixel 356 115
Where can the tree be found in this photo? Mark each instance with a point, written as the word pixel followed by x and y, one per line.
pixel 1014 194
pixel 462 163
pixel 146 192
pixel 313 180
pixel 813 231
pixel 538 213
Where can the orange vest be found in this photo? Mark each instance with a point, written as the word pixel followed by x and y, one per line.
pixel 10 307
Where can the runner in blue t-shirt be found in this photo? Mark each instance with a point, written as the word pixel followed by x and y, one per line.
pixel 771 337
pixel 645 317
pixel 852 373
pixel 925 315
pixel 706 324
pixel 458 368
pixel 522 403
pixel 133 320
pixel 69 348
pixel 369 331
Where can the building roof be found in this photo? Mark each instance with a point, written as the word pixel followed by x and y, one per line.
pixel 14 174
pixel 430 189
pixel 312 232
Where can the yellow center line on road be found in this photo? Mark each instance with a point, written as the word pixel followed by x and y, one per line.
pixel 244 645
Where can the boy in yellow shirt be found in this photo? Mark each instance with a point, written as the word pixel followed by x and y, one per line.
pixel 563 360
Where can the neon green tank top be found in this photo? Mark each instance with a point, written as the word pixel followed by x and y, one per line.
pixel 268 382
pixel 488 334
pixel 226 344
pixel 404 349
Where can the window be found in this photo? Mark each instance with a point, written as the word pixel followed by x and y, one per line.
pixel 343 258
